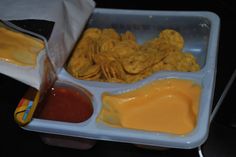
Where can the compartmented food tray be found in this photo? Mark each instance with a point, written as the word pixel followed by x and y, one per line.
pixel 200 31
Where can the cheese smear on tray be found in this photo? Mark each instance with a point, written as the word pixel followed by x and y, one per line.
pixel 168 105
pixel 19 49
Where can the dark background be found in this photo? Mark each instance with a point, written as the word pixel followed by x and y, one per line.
pixel 222 136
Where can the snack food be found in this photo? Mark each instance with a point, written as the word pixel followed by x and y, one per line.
pixel 66 103
pixel 168 105
pixel 104 55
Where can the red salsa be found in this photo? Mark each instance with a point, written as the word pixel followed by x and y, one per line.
pixel 63 103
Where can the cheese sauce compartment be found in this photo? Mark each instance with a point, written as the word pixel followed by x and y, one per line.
pixel 168 105
pixel 200 31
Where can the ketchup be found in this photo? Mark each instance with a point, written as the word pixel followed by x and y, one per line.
pixel 63 103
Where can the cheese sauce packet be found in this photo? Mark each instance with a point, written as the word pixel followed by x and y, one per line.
pixel 26 53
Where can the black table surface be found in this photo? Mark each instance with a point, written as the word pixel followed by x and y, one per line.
pixel 221 141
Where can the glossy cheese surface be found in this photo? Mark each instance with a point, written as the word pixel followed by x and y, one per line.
pixel 18 48
pixel 168 105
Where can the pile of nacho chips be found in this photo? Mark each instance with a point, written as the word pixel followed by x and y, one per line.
pixel 105 55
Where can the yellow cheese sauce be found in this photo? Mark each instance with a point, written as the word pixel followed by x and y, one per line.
pixel 19 49
pixel 168 105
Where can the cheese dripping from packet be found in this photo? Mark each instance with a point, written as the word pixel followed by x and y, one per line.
pixel 24 55
pixel 18 48
pixel 19 55
pixel 44 59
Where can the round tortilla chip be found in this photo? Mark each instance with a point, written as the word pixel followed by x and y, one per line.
pixel 93 33
pixel 136 63
pixel 89 71
pixel 110 33
pixel 128 36
pixel 173 37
